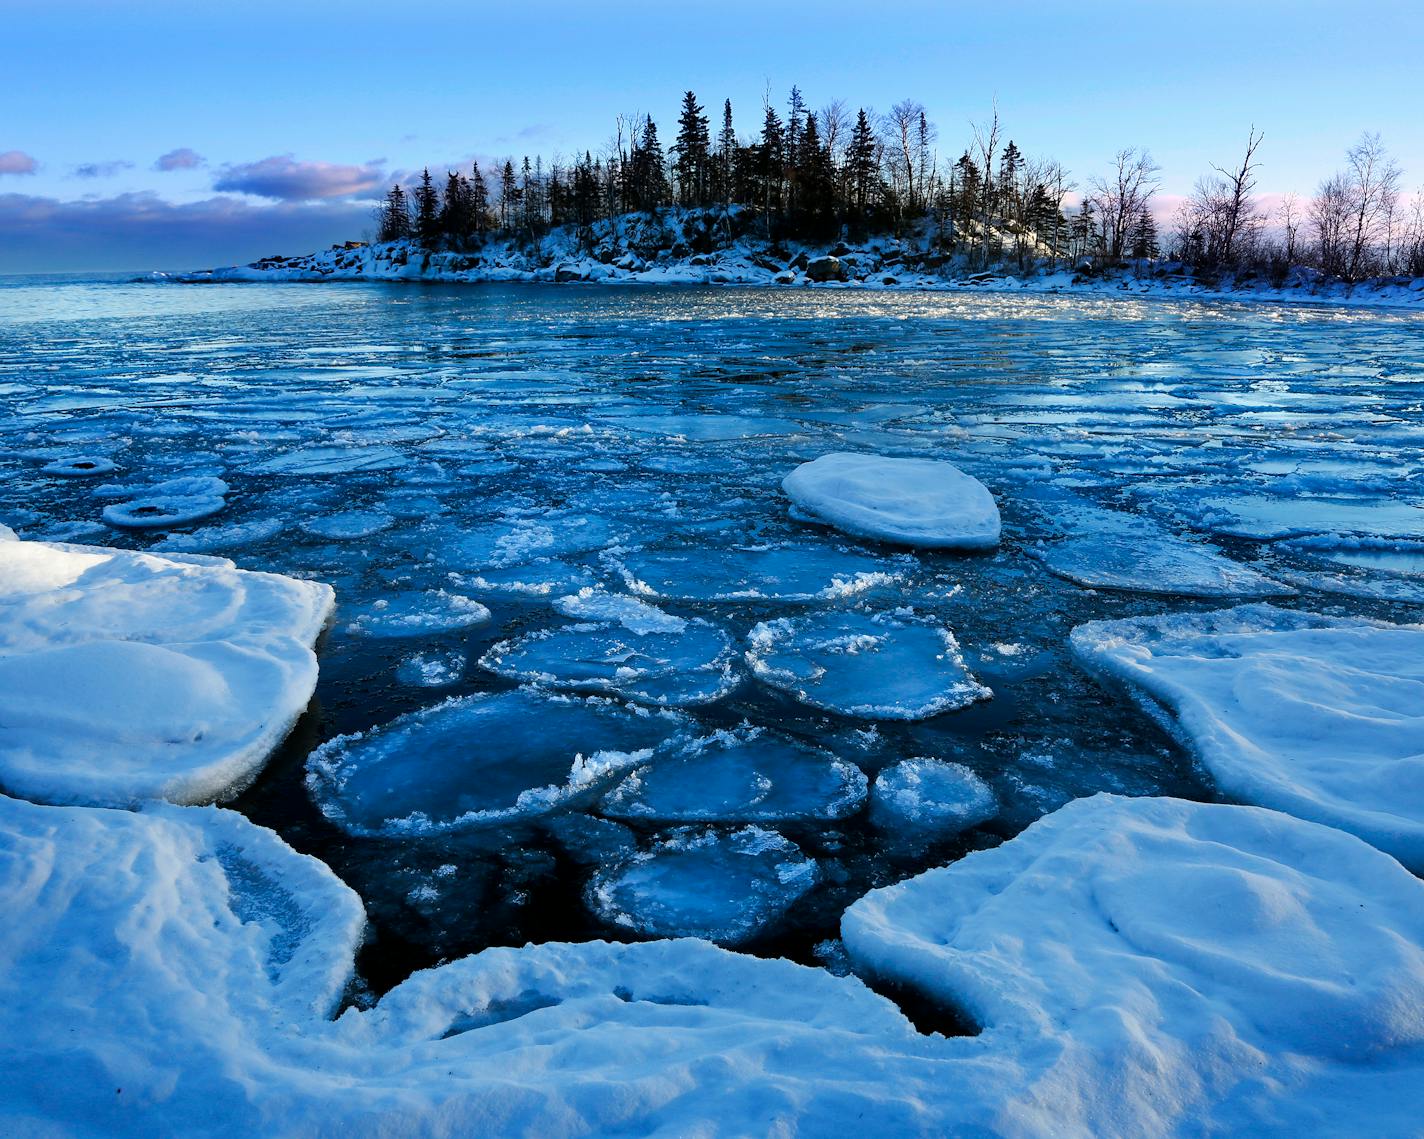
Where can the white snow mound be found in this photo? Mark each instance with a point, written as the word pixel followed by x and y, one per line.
pixel 913 502
pixel 126 676
pixel 1320 717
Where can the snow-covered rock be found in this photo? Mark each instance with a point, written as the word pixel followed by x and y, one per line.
pixel 919 799
pixel 877 666
pixel 704 883
pixel 126 676
pixel 1321 717
pixel 1165 967
pixel 912 502
pixel 742 775
pixel 480 761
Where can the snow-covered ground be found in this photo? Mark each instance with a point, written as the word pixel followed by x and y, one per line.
pixel 663 249
pixel 591 683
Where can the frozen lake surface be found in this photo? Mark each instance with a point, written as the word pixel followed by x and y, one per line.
pixel 580 488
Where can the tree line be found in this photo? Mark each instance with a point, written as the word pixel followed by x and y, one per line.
pixel 832 173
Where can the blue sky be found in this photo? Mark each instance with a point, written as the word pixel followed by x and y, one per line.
pixel 150 133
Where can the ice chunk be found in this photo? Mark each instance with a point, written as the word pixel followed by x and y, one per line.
pixel 522 540
pixel 480 761
pixel 349 524
pixel 541 578
pixel 1321 717
pixel 880 667
pixel 694 666
pixel 913 502
pixel 331 460
pixel 161 512
pixel 1260 517
pixel 126 676
pixel 783 573
pixel 81 466
pixel 418 614
pixel 591 603
pixel 930 799
pixel 1264 969
pixel 431 670
pixel 724 887
pixel 744 774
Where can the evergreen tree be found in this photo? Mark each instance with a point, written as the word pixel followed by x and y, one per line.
pixel 508 196
pixel 648 177
pixel 862 165
pixel 770 163
pixel 393 218
pixel 692 168
pixel 726 158
pixel 479 199
pixel 1144 236
pixel 427 212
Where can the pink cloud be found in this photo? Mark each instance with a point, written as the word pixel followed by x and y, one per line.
pixel 17 162
pixel 184 158
pixel 285 179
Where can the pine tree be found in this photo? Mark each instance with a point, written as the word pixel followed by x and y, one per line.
pixel 1144 236
pixel 508 196
pixel 862 167
pixel 479 199
pixel 649 173
pixel 693 154
pixel 727 158
pixel 393 219
pixel 770 162
pixel 427 212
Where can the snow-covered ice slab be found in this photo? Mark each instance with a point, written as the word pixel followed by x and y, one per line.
pixel 918 799
pixel 418 614
pixel 480 761
pixel 911 502
pixel 704 883
pixel 1263 518
pixel 780 573
pixel 1165 967
pixel 879 667
pixel 743 775
pixel 1321 717
pixel 127 676
pixel 678 667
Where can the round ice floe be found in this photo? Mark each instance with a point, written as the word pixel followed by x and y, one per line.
pixel 913 502
pixel 1322 717
pixel 418 614
pixel 158 512
pixel 1154 565
pixel 1256 964
pixel 481 761
pixel 331 460
pixel 724 887
pixel 693 666
pixel 929 798
pixel 743 775
pixel 784 573
pixel 594 604
pixel 85 466
pixel 349 524
pixel 522 540
pixel 431 670
pixel 545 577
pixel 880 667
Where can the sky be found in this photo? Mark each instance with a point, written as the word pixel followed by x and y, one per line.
pixel 141 134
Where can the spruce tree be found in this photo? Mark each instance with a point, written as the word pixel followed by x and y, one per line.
pixel 427 212
pixel 693 154
pixel 862 169
pixel 649 173
pixel 394 216
pixel 727 158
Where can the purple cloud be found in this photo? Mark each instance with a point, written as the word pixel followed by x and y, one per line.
pixel 141 231
pixel 17 162
pixel 184 158
pixel 284 179
pixel 102 169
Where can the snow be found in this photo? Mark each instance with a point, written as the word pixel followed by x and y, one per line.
pixel 80 466
pixel 1166 967
pixel 480 761
pixel 1321 717
pixel 880 666
pixel 929 799
pixel 693 665
pixel 914 502
pixel 126 676
pixel 743 774
pixel 725 887
pixel 591 603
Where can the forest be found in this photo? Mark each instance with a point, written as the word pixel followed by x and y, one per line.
pixel 820 174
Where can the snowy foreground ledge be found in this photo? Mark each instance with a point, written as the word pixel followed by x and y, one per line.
pixel 126 676
pixel 1320 717
pixel 1141 967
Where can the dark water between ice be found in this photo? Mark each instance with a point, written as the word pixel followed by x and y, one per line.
pixel 672 414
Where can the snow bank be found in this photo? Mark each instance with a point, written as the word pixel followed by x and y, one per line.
pixel 1321 717
pixel 1167 967
pixel 914 502
pixel 126 676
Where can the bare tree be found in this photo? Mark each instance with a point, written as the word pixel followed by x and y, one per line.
pixel 1120 198
pixel 986 142
pixel 1374 178
pixel 901 127
pixel 1330 212
pixel 1289 215
pixel 1241 223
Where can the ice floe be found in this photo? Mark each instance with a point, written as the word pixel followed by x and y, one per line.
pixel 1318 716
pixel 725 887
pixel 802 572
pixel 876 666
pixel 80 467
pixel 745 774
pixel 126 676
pixel 912 502
pixel 927 799
pixel 693 665
pixel 417 614
pixel 481 760
pixel 1163 967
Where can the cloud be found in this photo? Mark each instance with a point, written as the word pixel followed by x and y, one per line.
pixel 184 158
pixel 102 169
pixel 17 162
pixel 282 178
pixel 142 231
